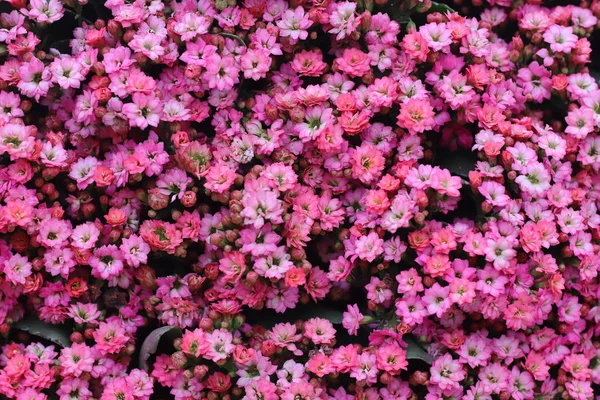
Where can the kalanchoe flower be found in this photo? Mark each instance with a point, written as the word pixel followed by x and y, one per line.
pixel 194 166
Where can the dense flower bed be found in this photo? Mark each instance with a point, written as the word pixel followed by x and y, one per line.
pixel 309 200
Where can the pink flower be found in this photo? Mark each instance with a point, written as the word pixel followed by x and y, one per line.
pixel 195 343
pixel 219 178
pixel 391 358
pixel 66 72
pixel 534 179
pixel 76 360
pixel 536 80
pixel 255 64
pixel 416 46
pixel 352 318
pixel 446 372
pixel 500 252
pixel 110 337
pixel 45 11
pixel 354 63
pixel 300 390
pixel 107 262
pixel 220 345
pixel 16 269
pixel 221 73
pixel 369 247
pixel 144 110
pixel 437 300
pixel 319 330
pixel 437 36
pixel 135 251
pixel 444 183
pixel 140 383
pixel 580 122
pixel 309 63
pixel 190 25
pixel 519 315
pixel 416 116
pixel 317 119
pixel 117 389
pixel 560 38
pixel 74 387
pixel 320 365
pixel 35 79
pixel 261 206
pixel 294 24
pixel 455 90
pixel 148 44
pixel 367 163
pixel 344 20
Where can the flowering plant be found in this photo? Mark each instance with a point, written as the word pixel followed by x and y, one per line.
pixel 305 199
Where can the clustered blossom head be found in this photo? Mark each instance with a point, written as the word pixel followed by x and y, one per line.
pixel 202 163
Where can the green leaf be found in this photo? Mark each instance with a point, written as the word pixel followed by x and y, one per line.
pixel 414 351
pixel 440 7
pixel 53 333
pixel 150 344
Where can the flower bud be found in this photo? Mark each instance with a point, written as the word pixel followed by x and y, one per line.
pixel 267 348
pixel 195 282
pixel 560 82
pixel 88 333
pixel 212 271
pixel 95 38
pixel 114 28
pixel 188 199
pixel 128 36
pixel 76 337
pixel 146 276
pixel 33 283
pixel 116 217
pixel 200 371
pixel 206 324
pixel 19 241
pixel 251 277
pixel 243 355
pixel 76 287
pixel 157 200
pixel 178 359
pixel 567 252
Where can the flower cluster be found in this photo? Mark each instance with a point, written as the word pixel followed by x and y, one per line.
pixel 204 164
